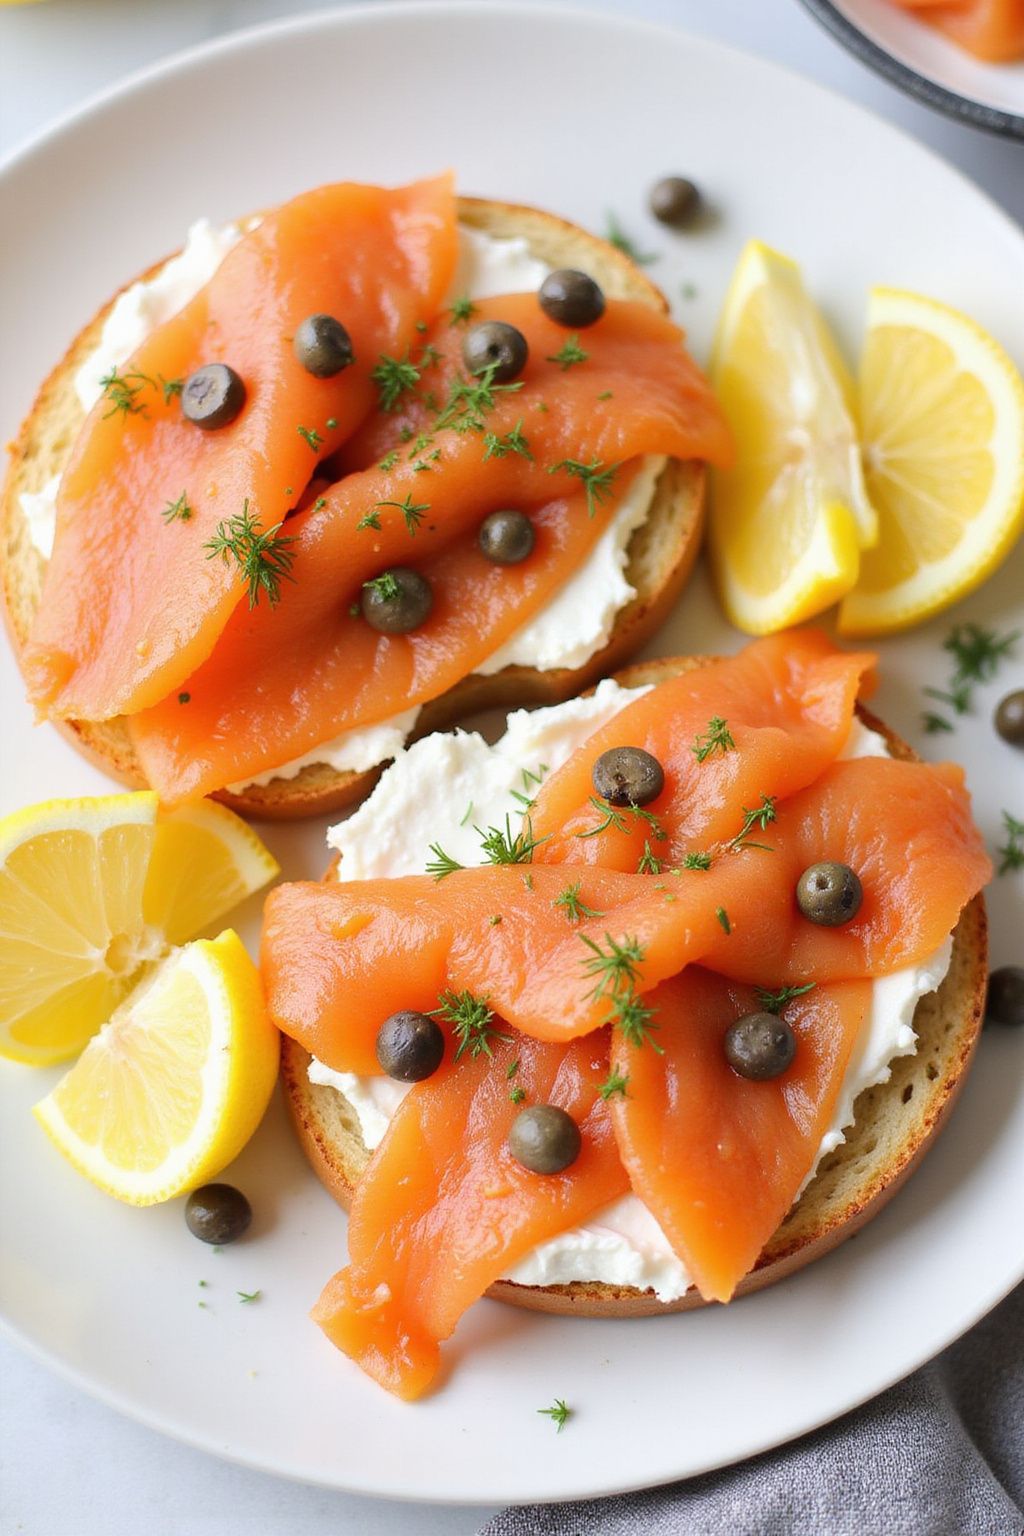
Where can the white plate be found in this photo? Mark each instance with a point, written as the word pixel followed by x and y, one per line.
pixel 925 63
pixel 580 114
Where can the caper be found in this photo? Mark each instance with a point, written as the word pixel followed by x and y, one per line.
pixel 829 894
pixel 571 298
pixel 1010 718
pixel 506 538
pixel 217 1213
pixel 212 396
pixel 495 345
pixel 1005 1001
pixel 544 1139
pixel 323 346
pixel 396 601
pixel 410 1046
pixel 675 201
pixel 628 776
pixel 759 1046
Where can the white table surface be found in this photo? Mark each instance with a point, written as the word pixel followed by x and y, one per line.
pixel 68 1465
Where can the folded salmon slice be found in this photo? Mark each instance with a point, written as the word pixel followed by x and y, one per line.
pixel 444 1209
pixel 131 604
pixel 715 1157
pixel 993 30
pixel 786 703
pixel 339 958
pixel 282 680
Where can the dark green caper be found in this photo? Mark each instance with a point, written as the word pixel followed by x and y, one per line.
pixel 1010 718
pixel 494 344
pixel 829 894
pixel 506 538
pixel 396 601
pixel 544 1139
pixel 1005 1001
pixel 323 346
pixel 674 201
pixel 628 776
pixel 759 1046
pixel 212 396
pixel 571 298
pixel 217 1213
pixel 410 1046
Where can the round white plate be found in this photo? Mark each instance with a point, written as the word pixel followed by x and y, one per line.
pixel 578 113
pixel 925 63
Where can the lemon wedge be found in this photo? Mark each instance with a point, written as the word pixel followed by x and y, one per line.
pixel 92 894
pixel 942 417
pixel 173 1086
pixel 788 522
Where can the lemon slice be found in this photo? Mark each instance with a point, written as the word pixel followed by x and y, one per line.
pixel 170 1090
pixel 92 892
pixel 942 414
pixel 789 520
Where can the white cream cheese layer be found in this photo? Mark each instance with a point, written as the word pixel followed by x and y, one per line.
pixel 566 633
pixel 439 789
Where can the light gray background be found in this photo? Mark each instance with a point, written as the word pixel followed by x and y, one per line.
pixel 68 1465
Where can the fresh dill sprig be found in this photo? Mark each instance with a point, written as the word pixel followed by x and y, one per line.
pixel 696 861
pixel 958 696
pixel 717 738
pixel 311 436
pixel 385 586
pixel 933 723
pixel 774 1002
pixel 723 918
pixel 559 1412
pixel 512 1069
pixel 497 447
pixel 616 818
pixel 633 1018
pixel 507 848
pixel 761 816
pixel 442 863
pixel 570 354
pixel 469 400
pixel 123 390
pixel 177 511
pixel 369 519
pixel 595 477
pixel 248 1295
pixel 172 388
pixel 616 235
pixel 1012 852
pixel 977 652
pixel 264 559
pixel 572 906
pixel 389 460
pixel 614 1083
pixel 517 1095
pixel 614 970
pixel 462 309
pixel 411 511
pixel 470 1019
pixel 649 863
pixel 394 377
pixel 529 778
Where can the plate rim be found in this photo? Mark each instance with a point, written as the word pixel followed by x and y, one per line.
pixel 374 12
pixel 966 109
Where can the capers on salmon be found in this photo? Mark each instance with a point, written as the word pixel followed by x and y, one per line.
pixel 410 1046
pixel 217 1213
pixel 396 601
pixel 759 1046
pixel 212 396
pixel 506 538
pixel 1010 718
pixel 571 298
pixel 675 201
pixel 628 776
pixel 829 894
pixel 1005 1001
pixel 323 346
pixel 544 1139
pixel 495 345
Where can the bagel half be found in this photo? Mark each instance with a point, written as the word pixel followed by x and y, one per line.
pixel 895 1122
pixel 661 552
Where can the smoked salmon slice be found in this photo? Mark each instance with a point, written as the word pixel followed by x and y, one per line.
pixel 443 1209
pixel 716 1157
pixel 338 958
pixel 283 679
pixel 131 603
pixel 993 30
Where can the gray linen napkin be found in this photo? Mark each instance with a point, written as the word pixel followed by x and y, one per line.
pixel 941 1454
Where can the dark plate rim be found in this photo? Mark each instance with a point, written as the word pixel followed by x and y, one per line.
pixel 993 119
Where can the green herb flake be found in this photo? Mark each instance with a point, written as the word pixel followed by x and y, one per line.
pixel 570 354
pixel 184 698
pixel 369 519
pixel 320 502
pixel 389 460
pixel 596 479
pixel 264 559
pixel 469 401
pixel 572 906
pixel 774 1002
pixel 1011 854
pixel 614 1083
pixel 696 861
pixel 497 447
pixel 648 864
pixel 385 586
pixel 723 918
pixel 247 1296
pixel 494 919
pixel 507 847
pixel 977 652
pixel 441 864
pixel 470 1019
pixel 761 816
pixel 559 1412
pixel 411 511
pixel 177 511
pixel 933 723
pixel 394 377
pixel 462 309
pixel 312 437
pixel 517 1095
pixel 717 738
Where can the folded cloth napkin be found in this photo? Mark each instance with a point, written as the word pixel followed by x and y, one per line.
pixel 941 1454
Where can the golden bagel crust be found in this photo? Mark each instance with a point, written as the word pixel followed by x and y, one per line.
pixel 661 552
pixel 896 1121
